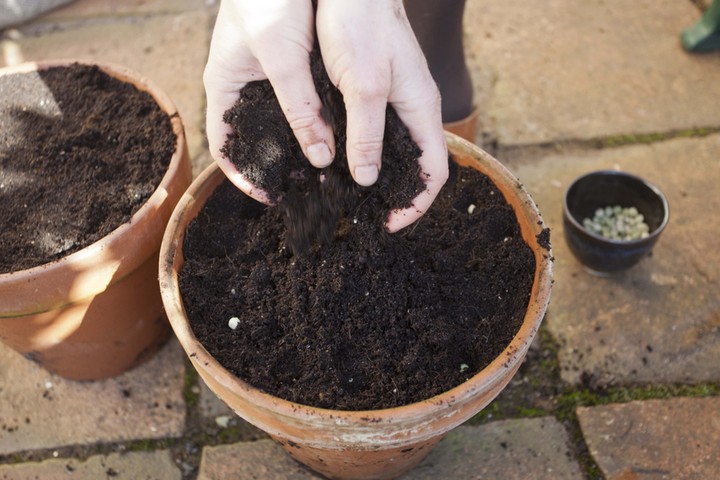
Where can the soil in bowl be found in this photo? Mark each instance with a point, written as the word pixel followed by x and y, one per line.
pixel 80 152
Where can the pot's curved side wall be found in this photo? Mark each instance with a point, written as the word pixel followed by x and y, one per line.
pixel 374 444
pixel 375 464
pixel 85 273
pixel 96 338
pixel 352 445
pixel 392 428
pixel 98 312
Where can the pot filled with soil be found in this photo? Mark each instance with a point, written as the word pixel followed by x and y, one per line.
pixel 359 355
pixel 355 349
pixel 93 160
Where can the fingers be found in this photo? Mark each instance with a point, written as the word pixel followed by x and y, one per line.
pixel 365 131
pixel 388 69
pixel 434 170
pixel 271 40
pixel 401 218
pixel 266 40
pixel 427 131
pixel 421 113
pixel 356 45
pixel 293 84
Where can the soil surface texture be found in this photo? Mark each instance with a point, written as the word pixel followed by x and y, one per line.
pixel 80 152
pixel 368 320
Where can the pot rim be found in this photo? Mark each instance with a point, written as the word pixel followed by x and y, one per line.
pixel 464 153
pixel 98 251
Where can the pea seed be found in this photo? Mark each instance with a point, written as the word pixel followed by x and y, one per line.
pixel 618 223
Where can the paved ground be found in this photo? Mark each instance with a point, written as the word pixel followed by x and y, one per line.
pixel 623 381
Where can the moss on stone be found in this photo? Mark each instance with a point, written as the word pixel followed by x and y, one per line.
pixel 647 138
pixel 190 386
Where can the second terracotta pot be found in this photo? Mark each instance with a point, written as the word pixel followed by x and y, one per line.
pixel 98 312
pixel 377 444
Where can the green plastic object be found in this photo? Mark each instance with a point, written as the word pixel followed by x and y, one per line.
pixel 704 35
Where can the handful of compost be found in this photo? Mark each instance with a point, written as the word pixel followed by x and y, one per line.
pixel 263 148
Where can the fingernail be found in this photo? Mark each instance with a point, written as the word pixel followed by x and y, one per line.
pixel 366 175
pixel 319 155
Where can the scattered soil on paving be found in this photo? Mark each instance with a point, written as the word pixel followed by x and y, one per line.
pixel 80 152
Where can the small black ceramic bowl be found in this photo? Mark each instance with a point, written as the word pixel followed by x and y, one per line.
pixel 595 190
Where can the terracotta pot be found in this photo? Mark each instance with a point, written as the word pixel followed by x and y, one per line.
pixel 377 444
pixel 98 312
pixel 465 128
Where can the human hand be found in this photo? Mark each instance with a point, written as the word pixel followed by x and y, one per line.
pixel 370 52
pixel 371 55
pixel 270 40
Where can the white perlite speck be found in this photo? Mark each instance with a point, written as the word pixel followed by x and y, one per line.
pixel 233 323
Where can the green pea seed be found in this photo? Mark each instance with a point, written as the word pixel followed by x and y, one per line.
pixel 618 223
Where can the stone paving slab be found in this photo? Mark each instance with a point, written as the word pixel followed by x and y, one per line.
pixel 510 449
pixel 675 439
pixel 260 460
pixel 658 322
pixel 39 410
pixel 170 50
pixel 216 415
pixel 201 162
pixel 536 448
pixel 156 465
pixel 210 404
pixel 562 69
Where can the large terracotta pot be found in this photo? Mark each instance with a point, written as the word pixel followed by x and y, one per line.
pixel 377 444
pixel 98 312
